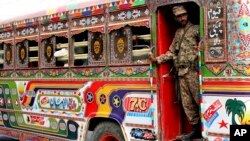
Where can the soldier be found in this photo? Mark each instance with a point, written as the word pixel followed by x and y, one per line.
pixel 183 51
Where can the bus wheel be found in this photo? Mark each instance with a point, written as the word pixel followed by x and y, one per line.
pixel 108 131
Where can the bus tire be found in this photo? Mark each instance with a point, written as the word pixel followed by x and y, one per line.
pixel 107 131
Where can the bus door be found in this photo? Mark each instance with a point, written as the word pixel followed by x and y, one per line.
pixel 173 119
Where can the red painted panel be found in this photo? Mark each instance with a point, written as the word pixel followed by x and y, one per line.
pixel 92 107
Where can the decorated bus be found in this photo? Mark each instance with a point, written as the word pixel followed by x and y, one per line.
pixel 84 71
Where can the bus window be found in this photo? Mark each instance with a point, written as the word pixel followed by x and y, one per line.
pixel 33 53
pixel 141 42
pixel 80 43
pixel 1 55
pixel 55 52
pixel 62 51
pixel 121 44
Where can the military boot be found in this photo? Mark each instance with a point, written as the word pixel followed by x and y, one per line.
pixel 194 134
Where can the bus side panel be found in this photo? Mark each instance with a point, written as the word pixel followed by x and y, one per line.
pixel 61 109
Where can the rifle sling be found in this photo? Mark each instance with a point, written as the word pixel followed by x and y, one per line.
pixel 182 37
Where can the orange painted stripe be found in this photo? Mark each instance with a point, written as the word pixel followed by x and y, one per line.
pixel 54 84
pixel 216 83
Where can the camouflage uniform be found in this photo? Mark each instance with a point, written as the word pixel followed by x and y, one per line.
pixel 186 62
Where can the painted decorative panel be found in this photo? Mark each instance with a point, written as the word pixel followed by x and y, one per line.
pixel 239 36
pixel 93 23
pixel 22 54
pixel 215 31
pixel 222 109
pixel 27 31
pixel 58 26
pixel 8 56
pixel 121 46
pixel 132 17
pixel 48 49
pixel 97 48
pixel 6 35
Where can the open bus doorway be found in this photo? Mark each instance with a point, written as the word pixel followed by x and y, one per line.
pixel 173 118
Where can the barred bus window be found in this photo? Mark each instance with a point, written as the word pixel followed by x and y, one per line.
pixel 62 51
pixel 80 43
pixel 1 55
pixel 141 44
pixel 33 54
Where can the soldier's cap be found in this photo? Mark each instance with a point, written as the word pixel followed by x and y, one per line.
pixel 178 10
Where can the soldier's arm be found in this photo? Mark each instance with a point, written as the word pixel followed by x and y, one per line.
pixel 171 53
pixel 197 35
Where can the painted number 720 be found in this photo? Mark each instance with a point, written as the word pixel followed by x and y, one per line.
pixel 138 104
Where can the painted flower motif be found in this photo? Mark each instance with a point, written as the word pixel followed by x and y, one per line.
pixel 240 67
pixel 87 72
pixel 122 16
pixel 106 73
pixel 26 73
pixel 138 70
pixel 13 75
pixel 38 75
pixel 136 14
pixel 129 15
pixel 69 75
pixel 88 21
pixel 94 20
pixel 247 70
pixel 103 19
pixel 112 17
pixel 229 72
pixel 120 70
pixel 129 71
pixel 147 12
pixel 94 71
pixel 243 24
pixel 53 72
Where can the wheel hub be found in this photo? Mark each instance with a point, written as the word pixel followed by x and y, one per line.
pixel 108 137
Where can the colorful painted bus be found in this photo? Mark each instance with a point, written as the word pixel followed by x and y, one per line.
pixel 86 69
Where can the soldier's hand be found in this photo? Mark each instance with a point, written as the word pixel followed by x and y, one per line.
pixel 196 49
pixel 151 57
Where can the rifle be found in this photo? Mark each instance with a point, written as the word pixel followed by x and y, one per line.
pixel 177 88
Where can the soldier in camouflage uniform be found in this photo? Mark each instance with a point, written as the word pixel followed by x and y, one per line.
pixel 183 52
